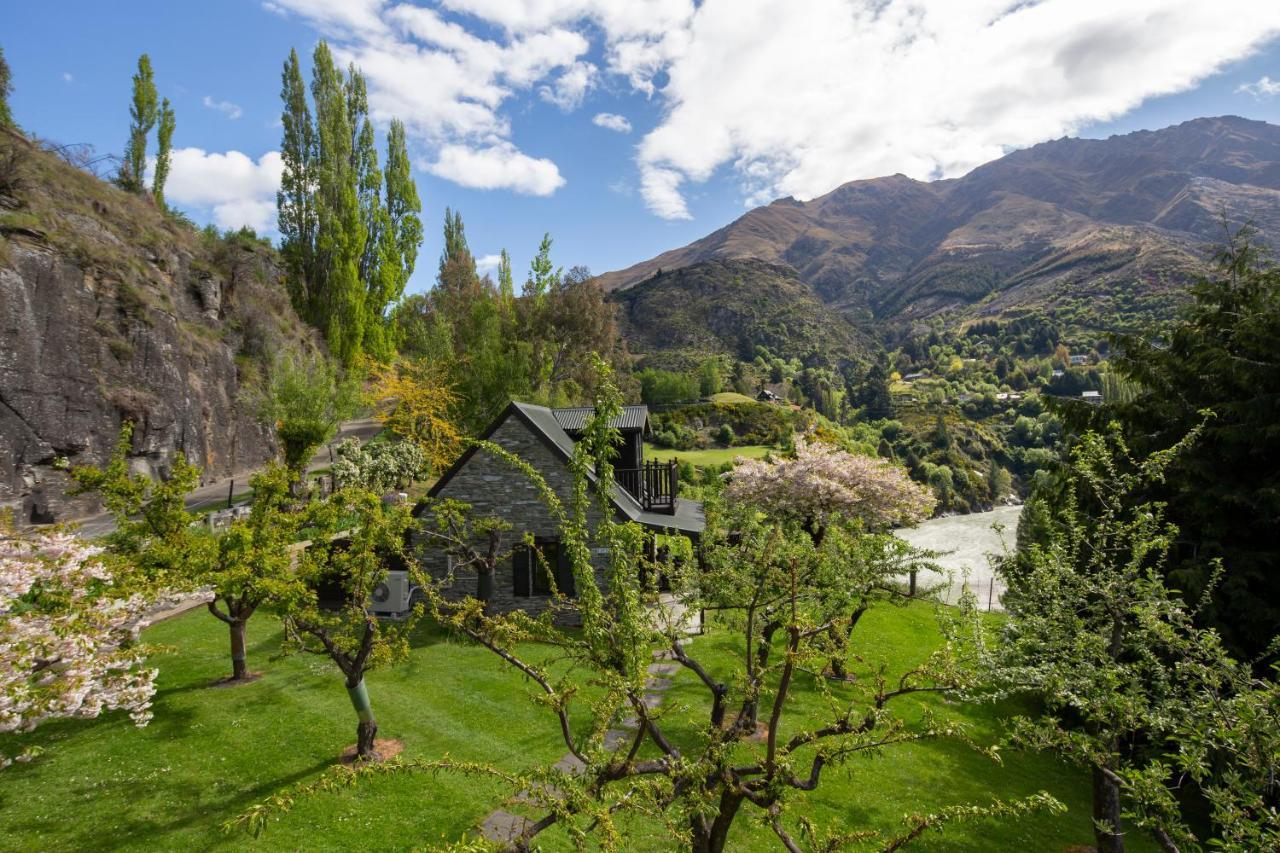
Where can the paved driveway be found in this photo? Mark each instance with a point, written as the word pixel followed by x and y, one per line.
pixel 965 542
pixel 215 494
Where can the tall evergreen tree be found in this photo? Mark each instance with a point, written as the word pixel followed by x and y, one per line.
pixel 295 201
pixel 340 234
pixel 165 144
pixel 143 114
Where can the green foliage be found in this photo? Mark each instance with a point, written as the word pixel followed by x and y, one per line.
pixel 306 398
pixel 153 533
pixel 1108 647
pixel 1217 358
pixel 662 387
pixel 355 537
pixel 295 201
pixel 494 347
pixel 379 468
pixel 349 231
pixel 142 115
pixel 164 139
pixel 6 88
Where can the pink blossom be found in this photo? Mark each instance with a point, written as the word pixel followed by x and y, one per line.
pixel 823 481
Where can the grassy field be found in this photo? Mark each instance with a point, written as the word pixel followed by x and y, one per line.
pixel 710 456
pixel 213 751
pixel 731 397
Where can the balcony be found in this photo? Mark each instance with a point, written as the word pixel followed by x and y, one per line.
pixel 654 484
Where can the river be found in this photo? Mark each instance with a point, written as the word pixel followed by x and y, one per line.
pixel 965 542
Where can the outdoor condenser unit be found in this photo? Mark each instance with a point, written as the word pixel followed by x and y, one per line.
pixel 396 595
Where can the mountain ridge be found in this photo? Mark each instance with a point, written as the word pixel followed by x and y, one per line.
pixel 1030 228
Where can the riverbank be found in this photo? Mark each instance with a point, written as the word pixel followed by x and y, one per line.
pixel 965 544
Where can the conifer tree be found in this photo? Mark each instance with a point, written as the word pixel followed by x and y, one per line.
pixel 143 116
pixel 165 141
pixel 295 201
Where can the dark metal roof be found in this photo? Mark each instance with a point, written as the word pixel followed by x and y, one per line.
pixel 575 419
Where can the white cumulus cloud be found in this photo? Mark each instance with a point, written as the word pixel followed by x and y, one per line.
pixel 235 189
pixel 498 165
pixel 852 89
pixel 612 121
pixel 785 97
pixel 488 263
pixel 570 87
pixel 1263 87
pixel 230 110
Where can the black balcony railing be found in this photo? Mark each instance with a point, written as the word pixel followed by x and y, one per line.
pixel 654 484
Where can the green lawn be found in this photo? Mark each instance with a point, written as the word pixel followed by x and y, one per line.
pixel 213 751
pixel 731 397
pixel 710 456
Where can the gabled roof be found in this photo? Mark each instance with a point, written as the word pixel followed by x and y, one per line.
pixel 575 419
pixel 688 517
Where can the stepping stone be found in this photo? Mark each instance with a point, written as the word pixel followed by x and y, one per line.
pixel 503 826
pixel 664 668
pixel 570 764
pixel 652 701
pixel 663 654
pixel 658 684
pixel 630 723
pixel 615 738
pixel 550 791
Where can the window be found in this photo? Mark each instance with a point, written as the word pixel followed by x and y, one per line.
pixel 549 561
pixel 531 573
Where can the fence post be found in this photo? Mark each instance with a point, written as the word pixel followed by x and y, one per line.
pixel 991 589
pixel 230 491
pixel 912 591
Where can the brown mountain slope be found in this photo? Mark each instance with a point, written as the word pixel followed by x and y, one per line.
pixel 1035 227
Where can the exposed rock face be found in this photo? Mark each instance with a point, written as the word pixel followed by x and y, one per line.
pixel 97 329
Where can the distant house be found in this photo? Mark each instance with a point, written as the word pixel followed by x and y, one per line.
pixel 1010 396
pixel 1077 360
pixel 1091 396
pixel 767 396
pixel 644 492
pixel 1058 373
pixel 912 377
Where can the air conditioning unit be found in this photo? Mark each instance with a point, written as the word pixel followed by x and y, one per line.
pixel 395 596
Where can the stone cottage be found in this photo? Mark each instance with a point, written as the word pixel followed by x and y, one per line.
pixel 644 492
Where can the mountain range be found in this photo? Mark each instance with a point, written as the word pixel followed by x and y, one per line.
pixel 1089 227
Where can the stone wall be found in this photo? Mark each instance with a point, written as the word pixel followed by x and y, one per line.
pixel 493 488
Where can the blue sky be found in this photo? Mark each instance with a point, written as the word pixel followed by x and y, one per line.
pixel 728 103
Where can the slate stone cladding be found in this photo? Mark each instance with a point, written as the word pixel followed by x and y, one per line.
pixel 494 488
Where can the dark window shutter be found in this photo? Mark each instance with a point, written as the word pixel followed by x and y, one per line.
pixel 520 571
pixel 564 573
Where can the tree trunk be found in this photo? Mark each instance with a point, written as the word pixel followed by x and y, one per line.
pixel 711 837
pixel 484 589
pixel 1106 813
pixel 841 643
pixel 367 728
pixel 239 670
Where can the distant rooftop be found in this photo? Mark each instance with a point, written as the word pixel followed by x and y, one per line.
pixel 575 419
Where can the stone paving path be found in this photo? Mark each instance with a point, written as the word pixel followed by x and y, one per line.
pixel 505 826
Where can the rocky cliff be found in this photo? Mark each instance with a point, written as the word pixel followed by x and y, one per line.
pixel 112 311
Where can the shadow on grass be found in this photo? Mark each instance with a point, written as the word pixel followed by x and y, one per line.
pixel 187 805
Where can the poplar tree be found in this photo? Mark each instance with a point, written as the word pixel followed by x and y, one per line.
pixel 506 283
pixel 340 235
pixel 165 141
pixel 295 201
pixel 399 239
pixel 143 116
pixel 6 117
pixel 348 247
